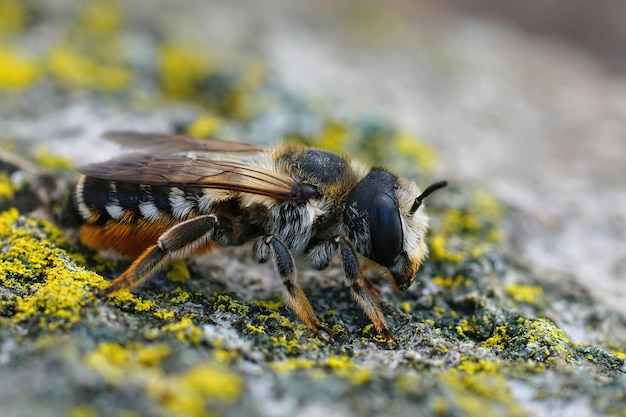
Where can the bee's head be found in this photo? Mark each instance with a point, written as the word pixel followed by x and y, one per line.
pixel 386 222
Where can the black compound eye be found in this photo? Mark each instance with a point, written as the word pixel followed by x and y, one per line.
pixel 385 230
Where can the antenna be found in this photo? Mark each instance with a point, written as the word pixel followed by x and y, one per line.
pixel 428 191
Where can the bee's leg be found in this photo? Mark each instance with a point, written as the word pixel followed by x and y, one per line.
pixel 294 296
pixel 362 292
pixel 179 241
pixel 319 257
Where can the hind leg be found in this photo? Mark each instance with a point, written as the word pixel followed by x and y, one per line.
pixel 178 242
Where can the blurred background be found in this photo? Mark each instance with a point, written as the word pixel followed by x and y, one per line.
pixel 526 99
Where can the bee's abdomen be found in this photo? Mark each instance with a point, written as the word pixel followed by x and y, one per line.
pixel 100 201
pixel 130 217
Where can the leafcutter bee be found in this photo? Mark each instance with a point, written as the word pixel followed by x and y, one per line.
pixel 177 196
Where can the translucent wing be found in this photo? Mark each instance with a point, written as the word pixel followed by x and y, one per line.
pixel 156 143
pixel 174 170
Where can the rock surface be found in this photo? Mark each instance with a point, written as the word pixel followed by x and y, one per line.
pixel 520 310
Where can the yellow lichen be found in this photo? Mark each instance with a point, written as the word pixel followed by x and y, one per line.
pixel 110 360
pixel 6 187
pixel 223 355
pixel 537 339
pixel 178 271
pixel 487 205
pixel 204 126
pixel 181 297
pixel 439 251
pixel 293 345
pixel 449 282
pixel 339 362
pixel 293 364
pixel 470 365
pixel 406 307
pixel 252 329
pixel 101 18
pixel 73 69
pixel 151 356
pixel 409 146
pixel 181 68
pixel 333 137
pixel 237 104
pixel 127 299
pixel 84 410
pixel 185 393
pixel 271 304
pixel 186 331
pixel 144 305
pixel 367 329
pixel 45 158
pixel 463 327
pixel 54 290
pixel 467 231
pixel 225 302
pixel 478 389
pixel 17 72
pixel 527 294
pixel 337 366
pixel 344 367
pixel 163 314
pixel 13 17
pixel 481 393
pixel 618 354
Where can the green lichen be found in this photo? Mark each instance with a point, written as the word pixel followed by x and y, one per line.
pixel 539 340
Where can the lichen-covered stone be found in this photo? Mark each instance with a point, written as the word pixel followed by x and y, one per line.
pixel 479 333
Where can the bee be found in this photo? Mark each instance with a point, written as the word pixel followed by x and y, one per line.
pixel 177 196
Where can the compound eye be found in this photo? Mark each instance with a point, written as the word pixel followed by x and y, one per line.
pixel 385 230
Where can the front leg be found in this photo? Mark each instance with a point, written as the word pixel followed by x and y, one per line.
pixel 294 296
pixel 363 291
pixel 180 241
pixel 361 288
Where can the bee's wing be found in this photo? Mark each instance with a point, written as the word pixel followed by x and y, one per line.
pixel 156 143
pixel 180 171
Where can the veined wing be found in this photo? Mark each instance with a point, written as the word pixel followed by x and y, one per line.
pixel 181 171
pixel 157 144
